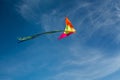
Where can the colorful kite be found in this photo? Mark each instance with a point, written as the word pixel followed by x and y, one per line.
pixel 69 29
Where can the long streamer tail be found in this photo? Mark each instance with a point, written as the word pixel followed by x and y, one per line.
pixel 22 39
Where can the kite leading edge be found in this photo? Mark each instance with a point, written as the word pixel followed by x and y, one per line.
pixel 69 29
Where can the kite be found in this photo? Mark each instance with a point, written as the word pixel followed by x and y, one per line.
pixel 69 29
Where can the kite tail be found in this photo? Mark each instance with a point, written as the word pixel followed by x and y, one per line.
pixel 22 39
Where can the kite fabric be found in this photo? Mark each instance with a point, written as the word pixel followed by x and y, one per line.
pixel 69 29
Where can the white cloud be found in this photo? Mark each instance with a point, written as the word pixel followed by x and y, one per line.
pixel 27 9
pixel 22 64
pixel 81 63
pixel 86 64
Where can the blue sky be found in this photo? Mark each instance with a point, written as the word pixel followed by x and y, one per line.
pixel 92 53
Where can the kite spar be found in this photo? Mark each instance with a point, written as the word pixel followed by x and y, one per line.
pixel 69 29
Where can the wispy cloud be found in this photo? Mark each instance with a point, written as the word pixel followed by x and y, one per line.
pixel 98 15
pixel 28 8
pixel 86 65
pixel 22 64
pixel 82 62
